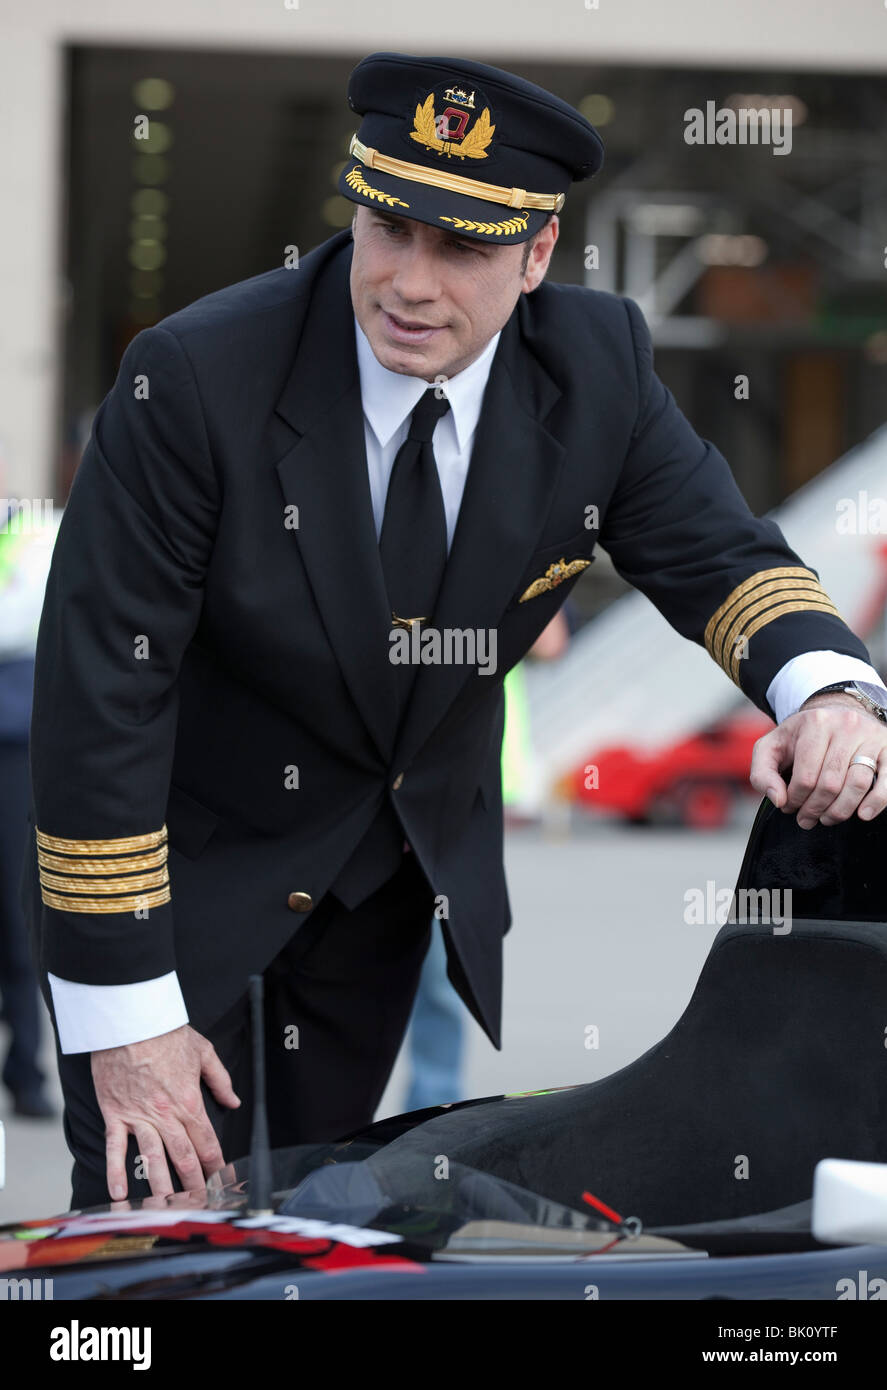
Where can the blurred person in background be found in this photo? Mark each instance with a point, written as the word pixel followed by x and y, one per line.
pixel 436 1037
pixel 24 561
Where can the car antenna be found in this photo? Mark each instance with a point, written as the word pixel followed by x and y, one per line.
pixel 260 1147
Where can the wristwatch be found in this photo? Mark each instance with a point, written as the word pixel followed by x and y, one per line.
pixel 871 697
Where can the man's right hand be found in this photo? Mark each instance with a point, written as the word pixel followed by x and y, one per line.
pixel 152 1089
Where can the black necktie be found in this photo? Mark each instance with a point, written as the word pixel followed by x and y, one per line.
pixel 413 540
pixel 413 547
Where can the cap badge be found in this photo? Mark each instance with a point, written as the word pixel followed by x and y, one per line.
pixel 448 133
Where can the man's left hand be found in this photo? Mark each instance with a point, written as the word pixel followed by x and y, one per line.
pixel 818 742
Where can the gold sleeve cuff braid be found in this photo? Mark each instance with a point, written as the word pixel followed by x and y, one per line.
pixel 129 842
pixel 754 603
pixel 114 884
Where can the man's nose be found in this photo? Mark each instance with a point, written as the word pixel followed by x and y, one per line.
pixel 415 279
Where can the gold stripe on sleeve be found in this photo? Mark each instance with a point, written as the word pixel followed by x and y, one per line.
pixel 106 885
pixel 757 601
pixel 128 842
pixel 130 863
pixel 97 905
pixel 765 618
pixel 130 880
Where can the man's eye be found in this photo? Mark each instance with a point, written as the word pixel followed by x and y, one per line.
pixel 391 228
pixel 460 246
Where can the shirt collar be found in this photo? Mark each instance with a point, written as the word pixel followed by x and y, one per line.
pixel 388 397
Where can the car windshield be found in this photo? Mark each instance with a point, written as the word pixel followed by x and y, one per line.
pixel 455 1210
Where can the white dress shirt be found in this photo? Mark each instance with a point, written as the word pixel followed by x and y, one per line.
pixel 389 399
pixel 92 1017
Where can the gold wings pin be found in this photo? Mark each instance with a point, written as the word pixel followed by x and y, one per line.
pixel 554 575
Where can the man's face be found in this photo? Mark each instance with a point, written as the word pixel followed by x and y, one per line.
pixel 429 301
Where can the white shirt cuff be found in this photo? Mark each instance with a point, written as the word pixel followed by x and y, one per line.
pixel 92 1017
pixel 802 675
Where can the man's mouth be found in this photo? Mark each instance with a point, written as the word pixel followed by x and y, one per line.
pixel 409 330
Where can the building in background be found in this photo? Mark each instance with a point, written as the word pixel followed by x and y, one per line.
pixel 178 151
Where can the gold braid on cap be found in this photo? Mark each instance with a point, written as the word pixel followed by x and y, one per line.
pixel 507 228
pixel 355 179
pixel 455 183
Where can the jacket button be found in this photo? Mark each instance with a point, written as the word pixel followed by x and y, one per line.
pixel 300 902
pixel 395 785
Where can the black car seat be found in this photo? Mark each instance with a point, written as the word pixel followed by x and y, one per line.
pixel 779 1059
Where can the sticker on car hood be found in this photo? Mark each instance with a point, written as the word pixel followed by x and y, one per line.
pixel 309 1227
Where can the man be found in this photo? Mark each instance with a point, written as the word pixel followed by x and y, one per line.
pixel 300 489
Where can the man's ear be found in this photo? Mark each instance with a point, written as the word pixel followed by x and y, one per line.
pixel 540 255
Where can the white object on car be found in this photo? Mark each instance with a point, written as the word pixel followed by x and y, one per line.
pixel 849 1202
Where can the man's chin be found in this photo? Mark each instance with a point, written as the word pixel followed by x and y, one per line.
pixel 408 361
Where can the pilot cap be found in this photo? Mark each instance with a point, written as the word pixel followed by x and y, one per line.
pixel 463 146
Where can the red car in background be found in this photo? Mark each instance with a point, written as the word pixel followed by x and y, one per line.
pixel 695 782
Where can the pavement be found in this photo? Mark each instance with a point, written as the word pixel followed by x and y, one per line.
pixel 599 965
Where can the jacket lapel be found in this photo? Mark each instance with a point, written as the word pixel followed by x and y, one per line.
pixel 325 476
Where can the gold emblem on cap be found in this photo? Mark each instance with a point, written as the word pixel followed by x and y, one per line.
pixel 554 575
pixel 474 144
pixel 460 95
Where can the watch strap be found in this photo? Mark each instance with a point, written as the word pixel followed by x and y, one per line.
pixel 849 688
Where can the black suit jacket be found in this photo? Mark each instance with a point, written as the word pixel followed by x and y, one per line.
pixel 216 627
